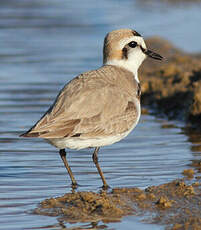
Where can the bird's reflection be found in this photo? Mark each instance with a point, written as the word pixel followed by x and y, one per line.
pixel 63 225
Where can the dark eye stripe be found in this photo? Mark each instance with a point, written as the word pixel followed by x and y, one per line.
pixel 132 44
pixel 125 53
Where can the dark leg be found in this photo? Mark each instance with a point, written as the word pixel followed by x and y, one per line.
pixel 62 153
pixel 95 160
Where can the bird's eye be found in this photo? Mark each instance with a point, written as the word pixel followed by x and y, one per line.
pixel 132 44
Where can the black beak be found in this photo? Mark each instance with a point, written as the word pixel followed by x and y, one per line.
pixel 152 54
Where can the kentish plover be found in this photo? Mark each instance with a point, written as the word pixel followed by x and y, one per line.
pixel 99 107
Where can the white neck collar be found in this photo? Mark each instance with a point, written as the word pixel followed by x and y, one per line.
pixel 126 65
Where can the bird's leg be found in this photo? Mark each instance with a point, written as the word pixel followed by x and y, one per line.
pixel 62 153
pixel 95 160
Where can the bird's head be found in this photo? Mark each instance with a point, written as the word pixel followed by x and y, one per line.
pixel 126 48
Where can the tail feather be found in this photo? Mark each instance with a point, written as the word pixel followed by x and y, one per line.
pixel 29 134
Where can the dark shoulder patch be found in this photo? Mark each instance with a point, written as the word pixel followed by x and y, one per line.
pixel 135 33
pixel 130 106
pixel 77 135
pixel 138 90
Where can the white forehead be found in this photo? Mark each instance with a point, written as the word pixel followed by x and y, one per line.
pixel 137 39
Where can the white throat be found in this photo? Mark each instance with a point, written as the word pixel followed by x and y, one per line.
pixel 126 65
pixel 132 64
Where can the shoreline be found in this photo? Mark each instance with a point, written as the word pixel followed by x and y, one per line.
pixel 172 87
pixel 175 205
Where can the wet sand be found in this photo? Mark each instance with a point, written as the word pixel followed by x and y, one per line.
pixel 175 205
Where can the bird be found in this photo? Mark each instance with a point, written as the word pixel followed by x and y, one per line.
pixel 99 107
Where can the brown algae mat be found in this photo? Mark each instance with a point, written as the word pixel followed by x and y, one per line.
pixel 175 205
pixel 172 86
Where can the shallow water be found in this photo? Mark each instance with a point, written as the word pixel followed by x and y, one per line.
pixel 45 44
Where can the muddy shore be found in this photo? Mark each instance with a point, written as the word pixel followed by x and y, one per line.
pixel 172 87
pixel 176 205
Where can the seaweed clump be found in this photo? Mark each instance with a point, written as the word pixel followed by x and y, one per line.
pixel 173 87
pixel 177 205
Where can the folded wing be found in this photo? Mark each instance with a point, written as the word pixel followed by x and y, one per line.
pixel 89 106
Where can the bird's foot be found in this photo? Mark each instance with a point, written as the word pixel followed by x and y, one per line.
pixel 105 187
pixel 74 186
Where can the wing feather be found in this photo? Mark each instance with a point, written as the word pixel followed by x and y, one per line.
pixel 92 104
